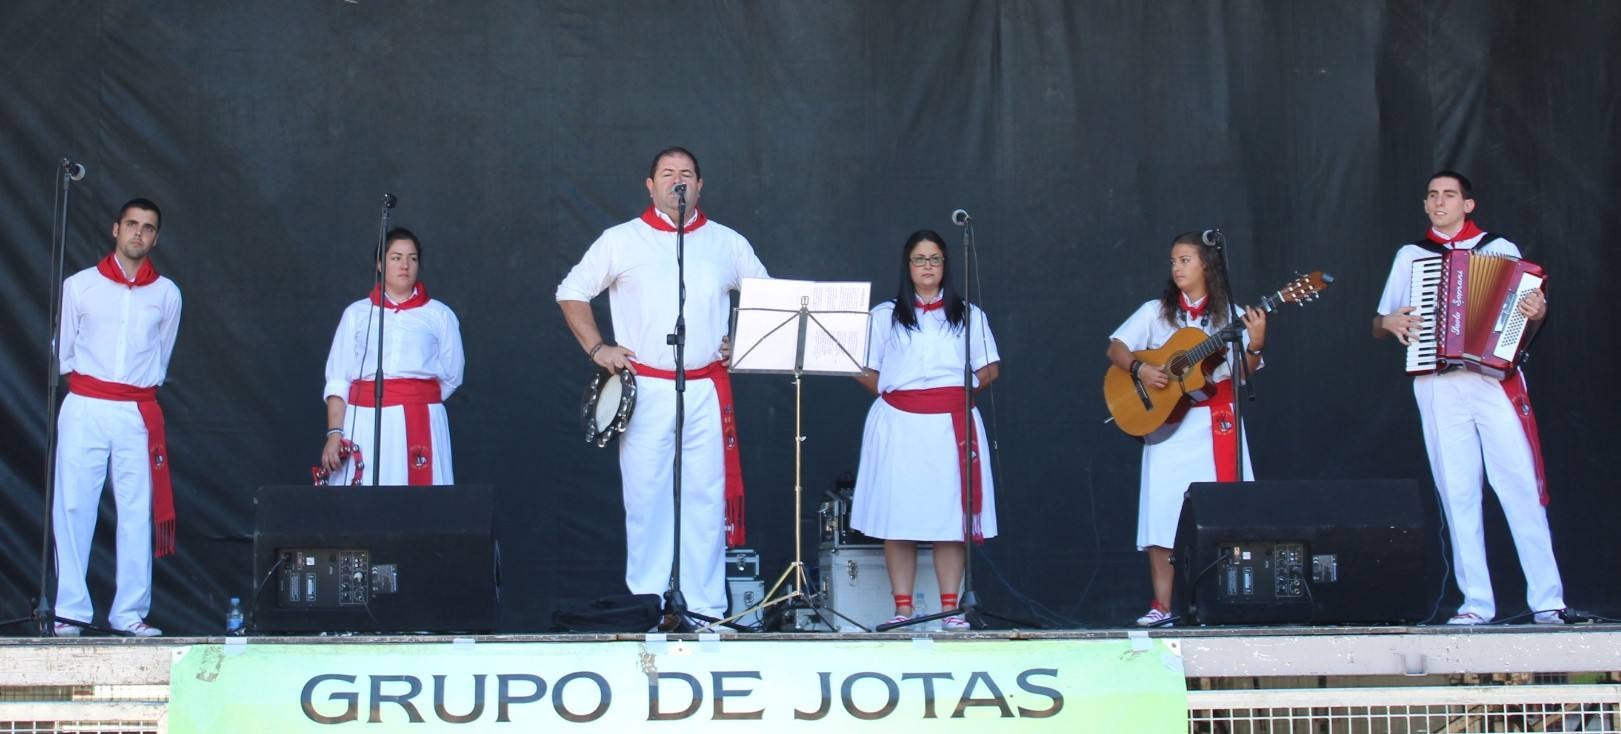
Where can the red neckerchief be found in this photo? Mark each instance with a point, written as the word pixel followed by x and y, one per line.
pixel 651 216
pixel 419 297
pixel 1193 312
pixel 938 304
pixel 1469 231
pixel 144 275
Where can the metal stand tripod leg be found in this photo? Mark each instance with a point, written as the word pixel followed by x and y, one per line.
pixel 796 569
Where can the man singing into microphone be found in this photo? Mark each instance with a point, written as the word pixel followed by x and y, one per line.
pixel 119 322
pixel 636 263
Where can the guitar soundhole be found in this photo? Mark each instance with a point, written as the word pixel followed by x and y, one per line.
pixel 1178 365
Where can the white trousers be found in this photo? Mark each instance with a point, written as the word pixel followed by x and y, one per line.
pixel 93 434
pixel 646 451
pixel 1468 421
pixel 395 468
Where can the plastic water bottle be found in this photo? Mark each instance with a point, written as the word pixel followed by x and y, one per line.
pixel 920 607
pixel 233 618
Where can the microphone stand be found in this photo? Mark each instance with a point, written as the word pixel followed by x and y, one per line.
pixel 1238 364
pixel 389 200
pixel 44 616
pixel 676 615
pixel 968 603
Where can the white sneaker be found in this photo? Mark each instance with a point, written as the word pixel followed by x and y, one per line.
pixel 62 629
pixel 1556 616
pixel 1154 617
pixel 142 629
pixel 955 623
pixel 1467 619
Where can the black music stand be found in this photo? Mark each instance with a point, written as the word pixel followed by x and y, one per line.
pixel 763 347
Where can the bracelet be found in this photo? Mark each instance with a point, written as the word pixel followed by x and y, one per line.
pixel 331 431
pixel 593 353
pixel 1136 364
pixel 1255 352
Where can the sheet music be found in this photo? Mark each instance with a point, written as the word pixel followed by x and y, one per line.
pixel 767 340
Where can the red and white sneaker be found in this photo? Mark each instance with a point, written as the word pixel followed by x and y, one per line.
pixel 142 629
pixel 955 623
pixel 1467 619
pixel 1155 617
pixel 61 629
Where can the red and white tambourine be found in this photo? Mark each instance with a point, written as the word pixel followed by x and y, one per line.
pixel 347 451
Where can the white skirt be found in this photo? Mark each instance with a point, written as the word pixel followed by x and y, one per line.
pixel 395 466
pixel 909 485
pixel 1174 457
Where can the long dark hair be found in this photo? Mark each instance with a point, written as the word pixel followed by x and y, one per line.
pixel 1215 284
pixel 906 293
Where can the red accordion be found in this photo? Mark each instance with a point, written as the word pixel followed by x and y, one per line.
pixel 1468 303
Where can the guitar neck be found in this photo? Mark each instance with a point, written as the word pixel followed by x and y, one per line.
pixel 1215 342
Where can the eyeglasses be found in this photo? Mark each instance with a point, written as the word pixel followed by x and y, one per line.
pixel 919 261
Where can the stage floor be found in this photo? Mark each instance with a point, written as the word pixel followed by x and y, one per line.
pixel 1206 652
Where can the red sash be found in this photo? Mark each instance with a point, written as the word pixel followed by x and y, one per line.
pixel 1514 387
pixel 936 400
pixel 415 395
pixel 736 531
pixel 157 449
pixel 1223 436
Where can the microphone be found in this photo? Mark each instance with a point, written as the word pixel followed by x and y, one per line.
pixel 74 171
pixel 389 200
pixel 1212 237
pixel 960 218
pixel 680 189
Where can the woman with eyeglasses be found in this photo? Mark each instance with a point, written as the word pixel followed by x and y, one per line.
pixel 1197 448
pixel 910 485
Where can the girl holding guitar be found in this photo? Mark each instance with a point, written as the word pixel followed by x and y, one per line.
pixel 1199 447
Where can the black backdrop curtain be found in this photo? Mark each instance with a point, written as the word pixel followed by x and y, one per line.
pixel 1082 136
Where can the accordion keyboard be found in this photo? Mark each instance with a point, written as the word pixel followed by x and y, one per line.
pixel 1426 301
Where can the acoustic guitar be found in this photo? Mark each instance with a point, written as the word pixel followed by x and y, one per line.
pixel 1188 358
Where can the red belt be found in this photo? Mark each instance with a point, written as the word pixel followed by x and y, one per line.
pixel 1514 387
pixel 1223 433
pixel 736 532
pixel 937 400
pixel 157 449
pixel 415 395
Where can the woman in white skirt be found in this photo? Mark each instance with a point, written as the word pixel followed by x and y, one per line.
pixel 1185 451
pixel 910 485
pixel 423 364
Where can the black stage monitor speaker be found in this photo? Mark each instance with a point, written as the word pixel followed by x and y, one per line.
pixel 1306 552
pixel 375 559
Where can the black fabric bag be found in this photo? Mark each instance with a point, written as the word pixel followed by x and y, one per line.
pixel 619 613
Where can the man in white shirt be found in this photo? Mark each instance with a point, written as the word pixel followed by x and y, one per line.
pixel 1471 420
pixel 636 263
pixel 119 323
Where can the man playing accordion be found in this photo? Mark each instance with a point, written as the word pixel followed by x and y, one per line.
pixel 1473 421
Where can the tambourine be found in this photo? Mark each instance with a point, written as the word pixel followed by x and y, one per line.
pixel 605 410
pixel 347 451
